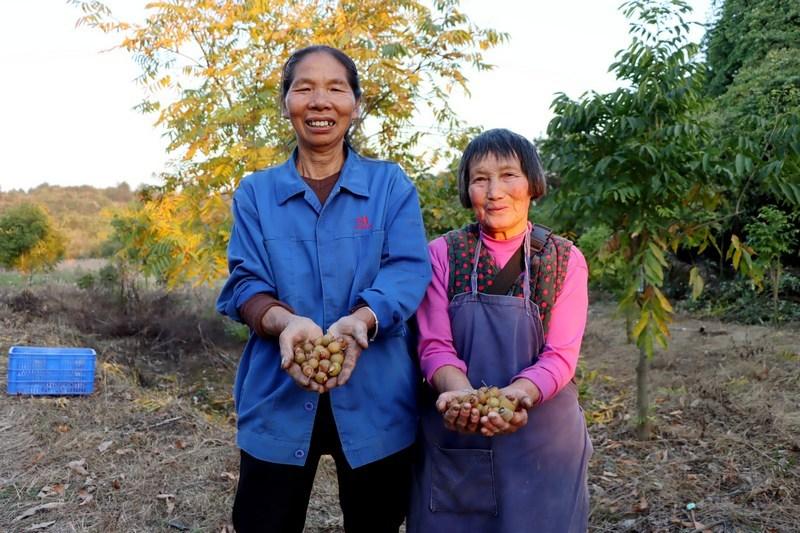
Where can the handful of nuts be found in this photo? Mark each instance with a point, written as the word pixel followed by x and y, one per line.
pixel 487 400
pixel 322 358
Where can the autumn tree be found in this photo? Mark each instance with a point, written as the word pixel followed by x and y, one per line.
pixel 211 72
pixel 28 241
pixel 639 162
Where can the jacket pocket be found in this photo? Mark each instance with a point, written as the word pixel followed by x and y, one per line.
pixel 462 481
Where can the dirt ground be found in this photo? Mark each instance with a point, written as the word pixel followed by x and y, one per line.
pixel 152 449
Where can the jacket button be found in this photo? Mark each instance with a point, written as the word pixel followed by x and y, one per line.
pixel 309 406
pixel 299 453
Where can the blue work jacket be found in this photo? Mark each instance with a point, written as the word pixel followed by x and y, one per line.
pixel 366 244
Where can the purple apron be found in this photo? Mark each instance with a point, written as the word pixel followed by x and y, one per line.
pixel 534 480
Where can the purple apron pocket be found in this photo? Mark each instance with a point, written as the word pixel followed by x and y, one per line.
pixel 462 481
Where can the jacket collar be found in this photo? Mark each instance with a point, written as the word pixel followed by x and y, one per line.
pixel 353 178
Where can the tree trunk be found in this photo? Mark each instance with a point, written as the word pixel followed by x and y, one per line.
pixel 776 286
pixel 642 397
pixel 629 327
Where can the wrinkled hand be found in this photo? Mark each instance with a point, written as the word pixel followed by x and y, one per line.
pixel 463 419
pixel 298 329
pixel 353 330
pixel 493 424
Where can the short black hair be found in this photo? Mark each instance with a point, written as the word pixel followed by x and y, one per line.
pixel 502 143
pixel 291 64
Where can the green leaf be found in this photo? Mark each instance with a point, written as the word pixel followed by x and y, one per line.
pixel 740 165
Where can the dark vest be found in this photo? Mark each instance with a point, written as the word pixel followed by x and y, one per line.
pixel 548 268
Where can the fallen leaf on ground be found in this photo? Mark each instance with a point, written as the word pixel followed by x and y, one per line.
pixel 78 467
pixel 179 444
pixel 177 524
pixel 169 499
pixel 56 489
pixel 641 506
pixel 85 495
pixel 124 451
pixel 103 446
pixel 40 525
pixel 229 476
pixel 43 507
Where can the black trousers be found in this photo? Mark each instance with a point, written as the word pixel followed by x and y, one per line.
pixel 273 497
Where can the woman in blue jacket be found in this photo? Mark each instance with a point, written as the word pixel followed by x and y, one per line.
pixel 327 241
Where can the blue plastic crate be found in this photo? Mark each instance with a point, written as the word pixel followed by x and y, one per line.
pixel 46 370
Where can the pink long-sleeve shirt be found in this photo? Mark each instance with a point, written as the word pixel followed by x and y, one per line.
pixel 562 343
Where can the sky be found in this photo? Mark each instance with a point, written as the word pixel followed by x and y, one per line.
pixel 67 106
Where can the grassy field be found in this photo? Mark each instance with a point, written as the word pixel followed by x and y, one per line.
pixel 153 448
pixel 66 273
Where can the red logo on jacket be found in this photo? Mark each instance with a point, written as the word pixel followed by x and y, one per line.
pixel 362 222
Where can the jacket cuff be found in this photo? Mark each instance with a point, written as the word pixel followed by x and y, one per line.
pixel 254 309
pixel 374 330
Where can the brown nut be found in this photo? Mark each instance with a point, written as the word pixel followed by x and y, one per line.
pixel 308 346
pixel 325 365
pixel 334 370
pixel 321 352
pixel 507 404
pixel 313 363
pixel 337 358
pixel 505 414
pixel 300 357
pixel 308 371
pixel 334 347
pixel 326 339
pixel 321 377
pixel 493 402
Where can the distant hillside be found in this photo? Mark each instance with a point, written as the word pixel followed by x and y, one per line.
pixel 78 212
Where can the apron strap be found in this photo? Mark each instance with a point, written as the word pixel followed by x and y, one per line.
pixel 473 279
pixel 526 286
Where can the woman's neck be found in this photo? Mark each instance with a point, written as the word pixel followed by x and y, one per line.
pixel 318 164
pixel 510 234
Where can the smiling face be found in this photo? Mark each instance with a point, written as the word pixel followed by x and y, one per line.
pixel 320 102
pixel 500 195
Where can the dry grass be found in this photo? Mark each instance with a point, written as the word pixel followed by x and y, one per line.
pixel 727 413
pixel 157 437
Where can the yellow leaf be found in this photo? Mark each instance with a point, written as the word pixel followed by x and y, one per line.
pixel 644 319
pixel 663 300
pixel 696 282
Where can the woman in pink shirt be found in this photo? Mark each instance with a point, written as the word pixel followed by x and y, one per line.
pixel 507 307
